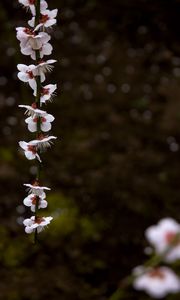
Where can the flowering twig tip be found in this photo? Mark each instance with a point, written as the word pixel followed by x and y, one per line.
pixel 34 42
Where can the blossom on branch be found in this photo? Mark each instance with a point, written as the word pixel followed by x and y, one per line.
pixel 28 74
pixel 165 236
pixel 44 142
pixel 32 199
pixel 31 110
pixel 36 189
pixel 30 39
pixel 36 223
pixel 30 150
pixel 157 282
pixel 44 119
pixel 30 4
pixel 47 92
pixel 47 19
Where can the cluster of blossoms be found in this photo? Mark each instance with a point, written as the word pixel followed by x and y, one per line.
pixel 160 280
pixel 35 42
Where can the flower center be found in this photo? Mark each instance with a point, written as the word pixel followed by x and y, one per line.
pixel 45 91
pixel 34 200
pixel 41 136
pixel 36 183
pixel 30 74
pixel 35 119
pixel 43 119
pixel 32 149
pixel 44 18
pixel 34 105
pixel 157 273
pixel 41 61
pixel 31 2
pixel 171 238
pixel 39 220
pixel 29 31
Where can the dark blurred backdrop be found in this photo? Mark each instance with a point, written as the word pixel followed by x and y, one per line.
pixel 115 168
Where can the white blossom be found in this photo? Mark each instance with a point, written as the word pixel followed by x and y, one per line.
pixel 47 92
pixel 165 235
pixel 44 142
pixel 36 223
pixel 30 39
pixel 31 201
pixel 43 67
pixel 44 119
pixel 28 74
pixel 36 189
pixel 30 4
pixel 30 150
pixel 31 110
pixel 157 282
pixel 47 19
pixel 46 49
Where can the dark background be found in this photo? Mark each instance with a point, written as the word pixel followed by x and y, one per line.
pixel 115 169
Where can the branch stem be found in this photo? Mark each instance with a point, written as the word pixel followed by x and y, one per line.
pixel 38 104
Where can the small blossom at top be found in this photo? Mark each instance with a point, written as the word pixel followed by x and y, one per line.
pixel 36 223
pixel 32 199
pixel 44 119
pixel 47 92
pixel 47 19
pixel 165 236
pixel 30 150
pixel 157 282
pixel 36 189
pixel 31 5
pixel 27 74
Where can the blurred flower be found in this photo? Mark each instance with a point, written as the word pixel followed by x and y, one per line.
pixel 165 235
pixel 157 282
pixel 36 223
